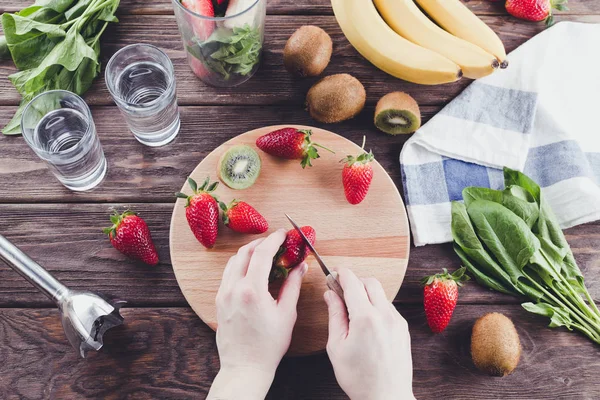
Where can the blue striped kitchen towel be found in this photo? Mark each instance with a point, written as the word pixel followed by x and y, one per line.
pixel 538 116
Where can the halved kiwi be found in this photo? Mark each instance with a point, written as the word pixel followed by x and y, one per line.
pixel 397 113
pixel 239 167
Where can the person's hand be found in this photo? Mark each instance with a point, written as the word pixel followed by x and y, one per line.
pixel 369 343
pixel 254 330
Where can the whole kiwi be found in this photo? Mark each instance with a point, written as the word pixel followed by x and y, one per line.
pixel 308 51
pixel 336 98
pixel 495 345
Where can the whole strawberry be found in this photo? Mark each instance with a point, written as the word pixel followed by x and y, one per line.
pixel 535 10
pixel 293 251
pixel 130 235
pixel 357 176
pixel 202 212
pixel 291 144
pixel 440 296
pixel 243 218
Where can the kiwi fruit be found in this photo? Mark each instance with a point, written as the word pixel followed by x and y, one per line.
pixel 397 113
pixel 495 345
pixel 239 167
pixel 336 98
pixel 308 51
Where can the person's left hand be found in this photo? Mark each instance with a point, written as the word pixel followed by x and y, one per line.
pixel 254 330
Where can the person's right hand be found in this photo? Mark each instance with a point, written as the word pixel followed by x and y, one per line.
pixel 369 343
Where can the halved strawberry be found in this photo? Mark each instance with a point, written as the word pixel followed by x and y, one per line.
pixel 203 28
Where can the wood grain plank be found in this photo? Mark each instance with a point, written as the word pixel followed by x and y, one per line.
pixel 170 353
pixel 272 85
pixel 67 240
pixel 309 7
pixel 138 173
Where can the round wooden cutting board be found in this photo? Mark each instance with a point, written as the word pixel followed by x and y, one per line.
pixel 371 238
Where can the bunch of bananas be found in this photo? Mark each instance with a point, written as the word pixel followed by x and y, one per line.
pixel 398 38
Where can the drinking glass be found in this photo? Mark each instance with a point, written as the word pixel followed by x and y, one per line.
pixel 141 81
pixel 224 50
pixel 58 126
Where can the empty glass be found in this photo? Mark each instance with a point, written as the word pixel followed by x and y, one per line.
pixel 58 126
pixel 141 80
pixel 224 48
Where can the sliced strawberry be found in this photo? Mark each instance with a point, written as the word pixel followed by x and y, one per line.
pixel 203 28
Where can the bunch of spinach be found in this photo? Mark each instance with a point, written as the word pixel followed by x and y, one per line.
pixel 510 241
pixel 230 52
pixel 55 44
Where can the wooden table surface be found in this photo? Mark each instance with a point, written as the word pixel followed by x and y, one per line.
pixel 164 351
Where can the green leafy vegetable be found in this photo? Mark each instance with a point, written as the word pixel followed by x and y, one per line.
pixel 55 44
pixel 228 52
pixel 510 241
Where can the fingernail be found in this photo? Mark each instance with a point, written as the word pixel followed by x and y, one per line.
pixel 327 296
pixel 304 269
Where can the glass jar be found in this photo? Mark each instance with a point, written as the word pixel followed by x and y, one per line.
pixel 225 49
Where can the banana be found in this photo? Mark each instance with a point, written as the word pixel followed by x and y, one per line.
pixel 390 52
pixel 408 21
pixel 456 18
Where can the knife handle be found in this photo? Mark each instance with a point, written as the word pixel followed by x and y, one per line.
pixel 334 284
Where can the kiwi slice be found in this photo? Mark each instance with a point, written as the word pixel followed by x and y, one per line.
pixel 239 167
pixel 397 113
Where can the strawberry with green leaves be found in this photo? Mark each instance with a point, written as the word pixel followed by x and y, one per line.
pixel 293 251
pixel 130 235
pixel 202 212
pixel 535 10
pixel 440 297
pixel 243 218
pixel 357 175
pixel 291 144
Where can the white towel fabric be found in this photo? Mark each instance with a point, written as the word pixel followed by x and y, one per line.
pixel 540 116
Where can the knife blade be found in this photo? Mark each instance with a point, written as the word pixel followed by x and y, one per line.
pixel 331 277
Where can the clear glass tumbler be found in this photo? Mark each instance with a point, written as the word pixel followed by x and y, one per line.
pixel 58 126
pixel 141 80
pixel 223 45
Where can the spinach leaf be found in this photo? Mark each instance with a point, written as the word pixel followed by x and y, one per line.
pixel 558 317
pixel 481 277
pixel 229 52
pixel 55 45
pixel 466 239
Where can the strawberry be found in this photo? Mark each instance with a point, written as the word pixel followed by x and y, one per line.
pixel 290 143
pixel 357 176
pixel 203 28
pixel 198 67
pixel 243 218
pixel 535 10
pixel 440 297
pixel 202 212
pixel 293 251
pixel 130 235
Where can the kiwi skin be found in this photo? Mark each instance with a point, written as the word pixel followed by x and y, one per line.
pixel 223 159
pixel 336 98
pixel 495 345
pixel 308 51
pixel 397 101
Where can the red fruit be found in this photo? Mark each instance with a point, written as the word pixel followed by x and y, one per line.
pixel 202 212
pixel 243 218
pixel 293 250
pixel 357 176
pixel 290 143
pixel 203 28
pixel 440 296
pixel 535 10
pixel 130 235
pixel 198 67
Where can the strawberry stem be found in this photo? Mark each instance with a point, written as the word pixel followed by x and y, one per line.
pixel 323 147
pixel 457 276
